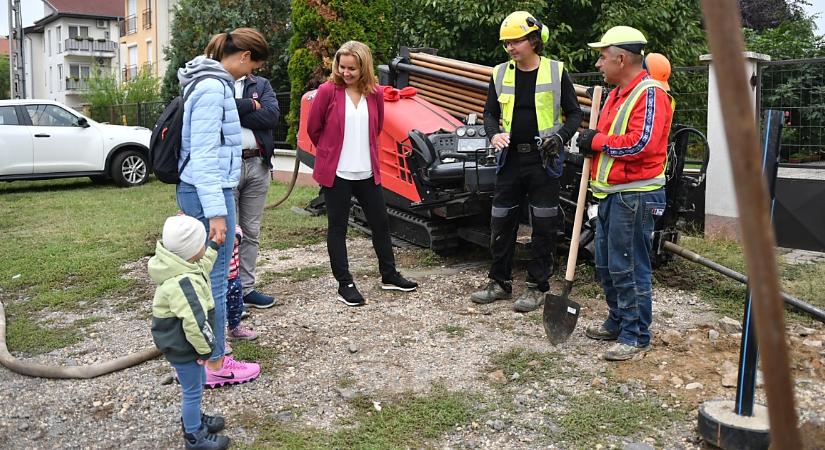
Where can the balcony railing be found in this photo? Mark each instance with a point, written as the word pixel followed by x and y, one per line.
pixel 147 18
pixel 85 45
pixel 130 72
pixel 128 25
pixel 76 84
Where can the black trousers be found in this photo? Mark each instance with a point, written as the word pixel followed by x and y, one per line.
pixel 338 201
pixel 523 176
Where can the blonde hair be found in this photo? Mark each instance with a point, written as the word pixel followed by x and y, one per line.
pixel 362 53
pixel 238 40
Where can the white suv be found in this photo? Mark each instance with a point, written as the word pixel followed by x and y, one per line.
pixel 42 139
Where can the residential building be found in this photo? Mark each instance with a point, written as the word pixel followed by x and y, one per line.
pixel 4 46
pixel 144 32
pixel 61 49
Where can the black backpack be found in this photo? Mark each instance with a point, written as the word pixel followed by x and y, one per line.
pixel 165 143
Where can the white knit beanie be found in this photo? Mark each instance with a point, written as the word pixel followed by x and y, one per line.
pixel 184 236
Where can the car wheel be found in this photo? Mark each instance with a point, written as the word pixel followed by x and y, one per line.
pixel 130 168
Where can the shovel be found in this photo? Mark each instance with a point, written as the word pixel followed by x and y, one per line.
pixel 560 312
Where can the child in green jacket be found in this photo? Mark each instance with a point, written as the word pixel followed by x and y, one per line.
pixel 183 319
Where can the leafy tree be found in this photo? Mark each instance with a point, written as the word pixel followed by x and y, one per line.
pixel 196 21
pixel 320 27
pixel 789 40
pixel 110 101
pixel 5 88
pixel 470 32
pixel 763 14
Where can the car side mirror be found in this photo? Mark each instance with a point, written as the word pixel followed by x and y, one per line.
pixel 82 122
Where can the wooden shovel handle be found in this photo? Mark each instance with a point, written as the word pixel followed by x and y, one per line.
pixel 577 220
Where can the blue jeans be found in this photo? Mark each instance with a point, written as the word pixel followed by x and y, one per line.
pixel 192 377
pixel 624 234
pixel 190 204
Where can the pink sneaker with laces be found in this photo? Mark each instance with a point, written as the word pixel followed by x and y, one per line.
pixel 232 372
pixel 241 334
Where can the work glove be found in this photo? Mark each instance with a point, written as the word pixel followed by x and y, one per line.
pixel 585 143
pixel 591 89
pixel 550 148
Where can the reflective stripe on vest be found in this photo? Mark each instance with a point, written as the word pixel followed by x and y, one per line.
pixel 599 186
pixel 547 94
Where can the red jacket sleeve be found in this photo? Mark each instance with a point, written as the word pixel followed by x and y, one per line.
pixel 648 122
pixel 380 106
pixel 318 113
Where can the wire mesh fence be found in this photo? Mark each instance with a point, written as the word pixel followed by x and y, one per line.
pixel 145 114
pixel 797 87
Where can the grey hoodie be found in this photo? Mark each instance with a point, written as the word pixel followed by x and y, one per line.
pixel 202 66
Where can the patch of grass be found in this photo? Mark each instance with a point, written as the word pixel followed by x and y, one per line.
pixel 530 365
pixel 585 284
pixel 88 321
pixel 303 273
pixel 346 380
pixel 454 330
pixel 253 351
pixel 67 239
pixel 725 295
pixel 429 258
pixel 804 281
pixel 593 416
pixel 25 335
pixel 281 228
pixel 284 257
pixel 403 422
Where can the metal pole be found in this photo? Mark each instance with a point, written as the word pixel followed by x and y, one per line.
pixel 727 46
pixel 11 60
pixel 749 348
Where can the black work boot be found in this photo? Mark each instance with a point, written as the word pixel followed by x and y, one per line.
pixel 213 424
pixel 492 292
pixel 204 440
pixel 531 300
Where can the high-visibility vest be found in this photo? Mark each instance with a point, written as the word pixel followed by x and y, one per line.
pixel 599 186
pixel 547 96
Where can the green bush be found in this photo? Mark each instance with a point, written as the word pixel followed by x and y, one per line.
pixel 196 21
pixel 319 28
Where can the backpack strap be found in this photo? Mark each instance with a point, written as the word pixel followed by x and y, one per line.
pixel 189 92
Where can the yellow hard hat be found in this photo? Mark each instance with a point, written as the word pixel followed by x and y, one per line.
pixel 658 67
pixel 627 38
pixel 519 24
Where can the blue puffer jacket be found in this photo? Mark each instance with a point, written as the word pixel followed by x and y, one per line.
pixel 211 134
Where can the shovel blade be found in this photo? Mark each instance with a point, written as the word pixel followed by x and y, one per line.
pixel 560 317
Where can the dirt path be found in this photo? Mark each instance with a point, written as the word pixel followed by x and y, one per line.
pixel 325 354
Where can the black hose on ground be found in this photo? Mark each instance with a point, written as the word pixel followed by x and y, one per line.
pixel 292 183
pixel 76 372
pixel 796 303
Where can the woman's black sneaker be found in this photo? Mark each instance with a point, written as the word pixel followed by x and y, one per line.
pixel 348 294
pixel 397 283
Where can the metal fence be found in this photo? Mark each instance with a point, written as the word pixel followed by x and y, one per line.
pixel 146 114
pixel 796 87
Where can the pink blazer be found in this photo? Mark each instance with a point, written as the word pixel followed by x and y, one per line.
pixel 325 128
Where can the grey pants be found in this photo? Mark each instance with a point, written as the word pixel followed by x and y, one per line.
pixel 250 199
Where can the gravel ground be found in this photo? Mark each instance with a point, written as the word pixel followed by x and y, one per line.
pixel 399 343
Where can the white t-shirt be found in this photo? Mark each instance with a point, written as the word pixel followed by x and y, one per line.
pixel 247 136
pixel 355 163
